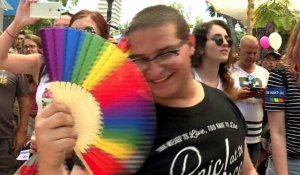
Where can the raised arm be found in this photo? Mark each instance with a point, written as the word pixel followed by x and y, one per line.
pixel 18 63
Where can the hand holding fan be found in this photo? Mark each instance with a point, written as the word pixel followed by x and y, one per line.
pixel 108 98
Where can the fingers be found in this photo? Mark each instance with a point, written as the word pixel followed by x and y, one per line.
pixel 65 145
pixel 31 1
pixel 52 109
pixel 54 127
pixel 60 133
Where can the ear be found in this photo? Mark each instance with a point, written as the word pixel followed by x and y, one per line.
pixel 191 40
pixel 191 43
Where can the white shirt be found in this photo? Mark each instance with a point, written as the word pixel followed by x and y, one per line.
pixel 251 108
pixel 197 78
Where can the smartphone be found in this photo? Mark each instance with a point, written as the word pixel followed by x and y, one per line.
pixel 255 89
pixel 46 10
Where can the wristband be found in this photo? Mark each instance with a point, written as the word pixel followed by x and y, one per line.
pixel 14 37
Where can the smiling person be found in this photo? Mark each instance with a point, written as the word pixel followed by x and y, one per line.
pixel 199 130
pixel 213 56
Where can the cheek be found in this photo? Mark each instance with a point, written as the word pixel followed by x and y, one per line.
pixel 210 52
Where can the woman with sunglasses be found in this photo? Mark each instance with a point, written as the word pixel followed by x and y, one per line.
pixel 213 56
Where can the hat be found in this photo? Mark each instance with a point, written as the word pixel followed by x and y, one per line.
pixel 275 54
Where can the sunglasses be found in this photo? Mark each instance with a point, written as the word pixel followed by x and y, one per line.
pixel 218 38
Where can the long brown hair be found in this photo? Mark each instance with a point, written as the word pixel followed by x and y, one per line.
pixel 95 16
pixel 293 53
pixel 200 33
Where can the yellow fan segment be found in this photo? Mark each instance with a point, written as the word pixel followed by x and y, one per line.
pixel 103 67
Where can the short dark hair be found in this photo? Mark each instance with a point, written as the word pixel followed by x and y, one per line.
pixel 155 16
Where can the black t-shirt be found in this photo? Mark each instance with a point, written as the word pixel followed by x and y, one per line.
pixel 207 138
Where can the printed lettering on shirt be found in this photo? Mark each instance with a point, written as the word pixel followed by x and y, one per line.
pixel 276 94
pixel 215 167
pixel 255 82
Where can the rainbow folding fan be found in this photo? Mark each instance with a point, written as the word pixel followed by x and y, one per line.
pixel 107 95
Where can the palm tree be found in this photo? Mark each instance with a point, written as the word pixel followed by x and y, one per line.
pixel 250 15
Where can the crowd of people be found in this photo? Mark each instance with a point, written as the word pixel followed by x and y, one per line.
pixel 196 83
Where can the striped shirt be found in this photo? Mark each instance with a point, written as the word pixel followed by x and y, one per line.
pixel 283 96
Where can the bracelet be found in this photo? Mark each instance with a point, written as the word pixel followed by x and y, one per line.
pixel 14 37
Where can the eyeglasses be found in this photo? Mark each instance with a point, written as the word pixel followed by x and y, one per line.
pixel 218 38
pixel 90 30
pixel 29 47
pixel 162 59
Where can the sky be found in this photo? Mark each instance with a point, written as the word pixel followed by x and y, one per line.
pixel 131 7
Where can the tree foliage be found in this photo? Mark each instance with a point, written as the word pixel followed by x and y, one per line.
pixel 276 13
pixel 186 13
pixel 34 29
pixel 65 2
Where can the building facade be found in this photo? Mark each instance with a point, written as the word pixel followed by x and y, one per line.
pixel 102 7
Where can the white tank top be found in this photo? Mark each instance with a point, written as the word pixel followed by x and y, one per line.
pixel 41 92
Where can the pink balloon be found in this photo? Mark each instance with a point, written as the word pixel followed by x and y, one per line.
pixel 264 42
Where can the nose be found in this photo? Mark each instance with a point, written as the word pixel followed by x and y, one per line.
pixel 225 41
pixel 252 55
pixel 153 65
